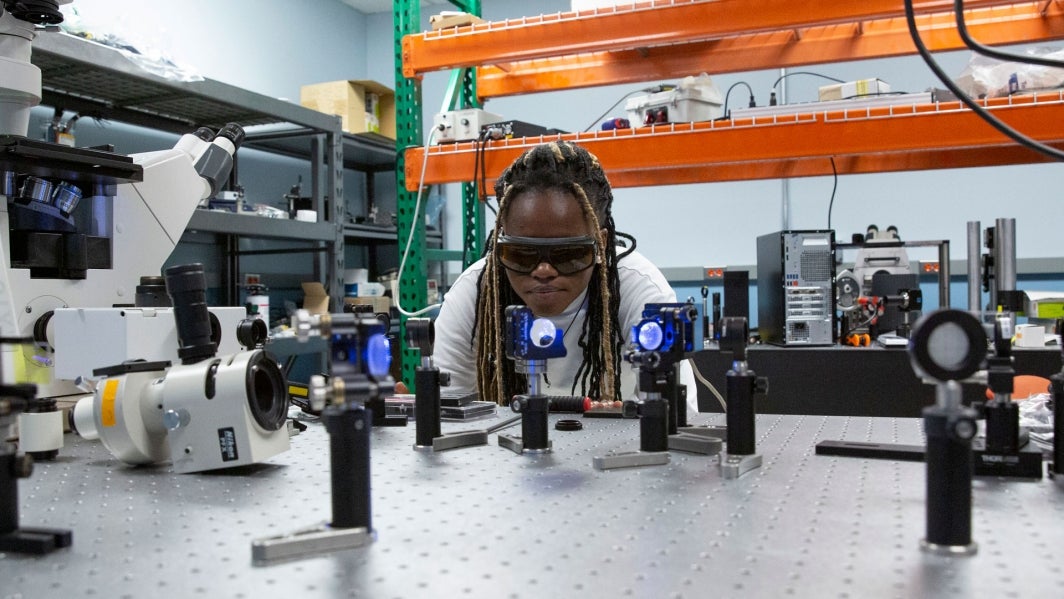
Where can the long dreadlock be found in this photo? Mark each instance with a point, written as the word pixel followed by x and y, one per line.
pixel 563 166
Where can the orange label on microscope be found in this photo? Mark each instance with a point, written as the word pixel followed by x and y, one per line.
pixel 107 408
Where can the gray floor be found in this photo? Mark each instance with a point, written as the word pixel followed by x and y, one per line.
pixel 484 522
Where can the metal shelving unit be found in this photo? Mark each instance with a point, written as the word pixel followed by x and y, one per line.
pixel 674 38
pixel 96 80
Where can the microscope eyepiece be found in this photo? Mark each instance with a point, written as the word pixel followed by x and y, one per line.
pixel 187 287
pixel 234 133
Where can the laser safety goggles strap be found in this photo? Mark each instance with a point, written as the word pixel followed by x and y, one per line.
pixel 567 255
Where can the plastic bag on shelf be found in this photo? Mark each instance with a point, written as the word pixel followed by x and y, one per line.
pixel 986 77
pixel 138 51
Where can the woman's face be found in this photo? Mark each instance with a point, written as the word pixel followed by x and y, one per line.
pixel 547 214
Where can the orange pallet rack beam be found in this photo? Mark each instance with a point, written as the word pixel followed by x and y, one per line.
pixel 1027 22
pixel 641 25
pixel 881 139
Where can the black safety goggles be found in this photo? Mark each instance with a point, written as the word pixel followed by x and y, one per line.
pixel 567 255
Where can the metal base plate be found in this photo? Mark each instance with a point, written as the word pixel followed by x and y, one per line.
pixel 734 466
pixel 712 431
pixel 307 543
pixel 630 459
pixel 949 550
pixel 517 445
pixel 35 541
pixel 456 440
pixel 701 445
pixel 1025 463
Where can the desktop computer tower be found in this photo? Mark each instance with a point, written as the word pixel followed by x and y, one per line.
pixel 796 288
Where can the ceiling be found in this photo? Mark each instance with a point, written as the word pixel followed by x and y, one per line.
pixel 376 6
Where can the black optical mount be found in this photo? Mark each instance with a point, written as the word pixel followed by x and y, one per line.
pixel 948 346
pixel 13 466
pixel 1056 388
pixel 661 341
pixel 530 342
pixel 1006 451
pixel 359 363
pixel 743 385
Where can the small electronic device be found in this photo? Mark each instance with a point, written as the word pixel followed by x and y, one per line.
pixel 462 125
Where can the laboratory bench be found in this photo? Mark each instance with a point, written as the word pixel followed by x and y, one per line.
pixel 486 522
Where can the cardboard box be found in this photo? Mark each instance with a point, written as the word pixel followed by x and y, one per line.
pixel 315 300
pixel 363 106
pixel 380 304
pixel 853 89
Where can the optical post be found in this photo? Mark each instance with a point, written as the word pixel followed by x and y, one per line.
pixel 948 346
pixel 662 338
pixel 13 466
pixel 530 342
pixel 743 385
pixel 360 360
pixel 420 335
pixel 1006 451
pixel 1056 387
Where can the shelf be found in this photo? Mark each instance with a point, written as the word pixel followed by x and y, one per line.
pixel 879 139
pixel 383 234
pixel 363 152
pixel 655 40
pixel 771 50
pixel 246 225
pixel 94 79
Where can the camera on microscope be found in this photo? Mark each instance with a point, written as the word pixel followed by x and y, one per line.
pixel 206 413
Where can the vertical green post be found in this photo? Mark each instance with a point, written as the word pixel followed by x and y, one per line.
pixel 413 290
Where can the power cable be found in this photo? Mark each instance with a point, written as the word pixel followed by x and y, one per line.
pixel 1023 140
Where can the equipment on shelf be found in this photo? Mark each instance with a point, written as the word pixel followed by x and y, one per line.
pixel 13 400
pixel 462 125
pixel 207 413
pixel 530 342
pixel 360 358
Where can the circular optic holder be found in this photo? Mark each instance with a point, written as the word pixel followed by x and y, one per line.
pixel 948 345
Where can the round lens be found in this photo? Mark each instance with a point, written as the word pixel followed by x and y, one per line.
pixel 378 355
pixel 542 332
pixel 649 335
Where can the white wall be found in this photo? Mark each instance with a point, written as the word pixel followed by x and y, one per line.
pixel 267 46
pixel 716 224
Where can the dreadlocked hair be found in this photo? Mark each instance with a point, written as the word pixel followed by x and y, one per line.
pixel 558 165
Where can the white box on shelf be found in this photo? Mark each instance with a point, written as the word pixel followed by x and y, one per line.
pixel 678 105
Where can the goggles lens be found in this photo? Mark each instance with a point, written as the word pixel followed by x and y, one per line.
pixel 567 255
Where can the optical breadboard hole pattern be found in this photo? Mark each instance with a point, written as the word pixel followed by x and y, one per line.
pixel 485 522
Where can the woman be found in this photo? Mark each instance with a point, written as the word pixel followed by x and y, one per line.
pixel 554 248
